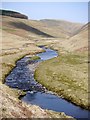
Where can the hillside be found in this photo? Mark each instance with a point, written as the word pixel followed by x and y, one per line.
pixel 79 42
pixel 76 43
pixel 40 28
pixel 13 14
pixel 68 27
pixel 22 27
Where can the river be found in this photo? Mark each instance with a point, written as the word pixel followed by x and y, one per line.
pixel 22 77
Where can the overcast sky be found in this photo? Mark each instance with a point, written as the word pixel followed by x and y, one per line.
pixel 70 11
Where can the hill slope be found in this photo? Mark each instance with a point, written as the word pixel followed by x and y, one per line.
pixel 22 27
pixel 42 28
pixel 78 42
pixel 68 27
pixel 13 14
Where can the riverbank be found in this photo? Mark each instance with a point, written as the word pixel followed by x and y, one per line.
pixel 11 107
pixel 22 77
pixel 66 75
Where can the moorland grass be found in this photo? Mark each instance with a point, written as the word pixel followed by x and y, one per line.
pixel 66 75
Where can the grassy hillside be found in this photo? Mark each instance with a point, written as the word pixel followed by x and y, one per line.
pixel 22 28
pixel 79 41
pixel 42 28
pixel 76 43
pixel 68 27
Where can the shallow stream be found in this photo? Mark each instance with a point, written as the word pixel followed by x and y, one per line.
pixel 22 77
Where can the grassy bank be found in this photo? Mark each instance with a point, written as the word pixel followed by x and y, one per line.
pixel 66 75
pixel 9 97
pixel 9 62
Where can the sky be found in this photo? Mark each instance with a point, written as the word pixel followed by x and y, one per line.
pixel 70 11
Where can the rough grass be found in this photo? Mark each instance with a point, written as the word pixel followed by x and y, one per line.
pixel 67 75
pixel 34 58
pixel 14 48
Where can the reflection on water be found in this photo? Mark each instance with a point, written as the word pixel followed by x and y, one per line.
pixel 48 54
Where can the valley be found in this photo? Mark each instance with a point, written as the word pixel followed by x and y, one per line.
pixel 66 75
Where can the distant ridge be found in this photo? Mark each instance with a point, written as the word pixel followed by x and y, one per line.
pixel 70 28
pixel 13 14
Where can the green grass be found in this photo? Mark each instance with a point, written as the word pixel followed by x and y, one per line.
pixel 7 29
pixel 34 58
pixel 67 75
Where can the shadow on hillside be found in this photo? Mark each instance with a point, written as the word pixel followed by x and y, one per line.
pixel 21 25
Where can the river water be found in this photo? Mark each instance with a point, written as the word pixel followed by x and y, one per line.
pixel 22 77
